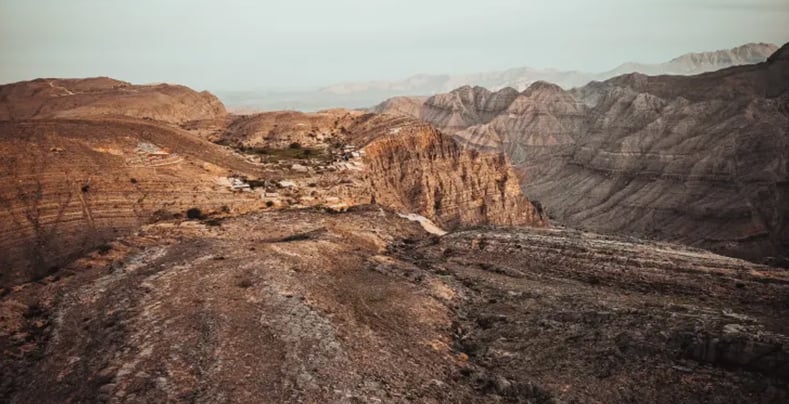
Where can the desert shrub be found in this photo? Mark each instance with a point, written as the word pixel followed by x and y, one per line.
pixel 103 249
pixel 295 145
pixel 194 213
pixel 269 204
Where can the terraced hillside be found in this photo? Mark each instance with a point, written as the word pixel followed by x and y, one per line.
pixel 67 186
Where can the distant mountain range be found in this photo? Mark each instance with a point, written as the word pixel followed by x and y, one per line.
pixel 366 94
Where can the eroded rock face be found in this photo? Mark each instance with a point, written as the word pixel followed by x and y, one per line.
pixel 699 159
pixel 412 167
pixel 70 98
pixel 466 106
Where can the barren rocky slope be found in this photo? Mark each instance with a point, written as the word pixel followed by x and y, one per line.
pixel 364 306
pixel 64 98
pixel 698 159
pixel 67 186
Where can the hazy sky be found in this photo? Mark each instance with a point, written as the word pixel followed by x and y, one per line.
pixel 241 44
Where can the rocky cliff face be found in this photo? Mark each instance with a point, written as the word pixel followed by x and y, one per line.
pixel 396 162
pixel 65 98
pixel 412 167
pixel 697 159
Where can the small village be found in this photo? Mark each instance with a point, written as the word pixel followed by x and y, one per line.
pixel 294 181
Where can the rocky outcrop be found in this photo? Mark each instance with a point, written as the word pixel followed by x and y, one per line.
pixel 69 98
pixel 697 159
pixel 412 167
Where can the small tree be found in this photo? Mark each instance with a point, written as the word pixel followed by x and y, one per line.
pixel 194 213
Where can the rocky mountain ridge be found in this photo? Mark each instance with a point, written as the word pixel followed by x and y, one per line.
pixel 696 159
pixel 102 96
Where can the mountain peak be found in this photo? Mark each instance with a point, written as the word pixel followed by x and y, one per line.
pixel 542 86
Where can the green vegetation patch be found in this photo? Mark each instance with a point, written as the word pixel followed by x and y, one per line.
pixel 290 153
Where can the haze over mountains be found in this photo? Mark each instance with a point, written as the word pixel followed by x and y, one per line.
pixel 366 94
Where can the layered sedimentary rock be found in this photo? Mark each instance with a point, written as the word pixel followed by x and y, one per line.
pixel 697 159
pixel 64 98
pixel 408 106
pixel 412 167
pixel 67 186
